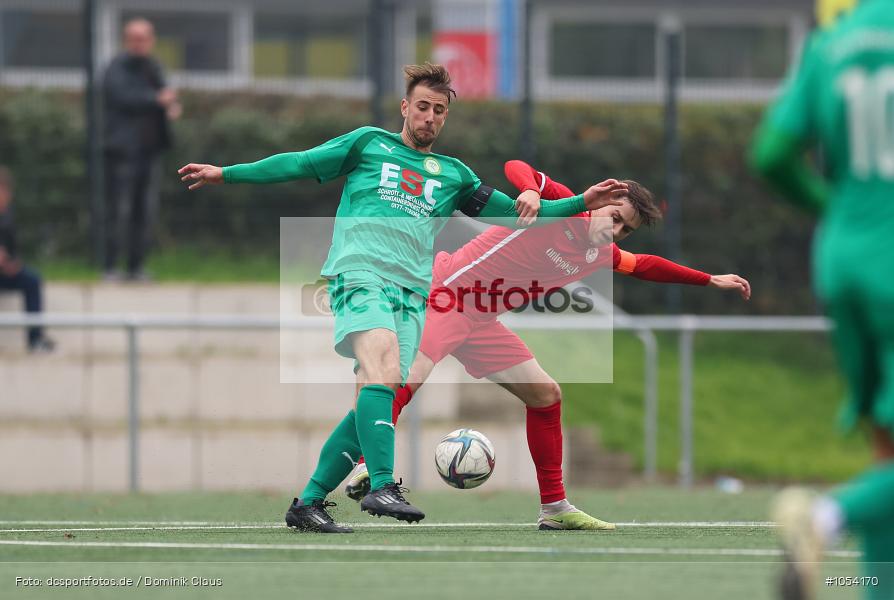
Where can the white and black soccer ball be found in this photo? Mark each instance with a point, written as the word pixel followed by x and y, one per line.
pixel 464 458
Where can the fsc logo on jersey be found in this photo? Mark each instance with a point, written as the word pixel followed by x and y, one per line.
pixel 410 181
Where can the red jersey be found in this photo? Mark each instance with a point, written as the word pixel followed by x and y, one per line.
pixel 504 268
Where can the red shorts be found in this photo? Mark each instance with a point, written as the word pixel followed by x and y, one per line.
pixel 483 346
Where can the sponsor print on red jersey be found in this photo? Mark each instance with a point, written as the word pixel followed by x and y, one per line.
pixel 503 269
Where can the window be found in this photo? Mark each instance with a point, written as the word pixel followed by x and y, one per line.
pixel 49 39
pixel 305 46
pixel 735 51
pixel 184 46
pixel 610 50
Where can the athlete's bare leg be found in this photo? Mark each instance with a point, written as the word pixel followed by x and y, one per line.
pixel 526 381
pixel 378 354
pixel 419 371
pixel 529 383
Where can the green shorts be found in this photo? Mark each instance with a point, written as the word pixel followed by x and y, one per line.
pixel 859 301
pixel 362 300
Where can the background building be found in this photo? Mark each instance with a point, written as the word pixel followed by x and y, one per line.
pixel 579 49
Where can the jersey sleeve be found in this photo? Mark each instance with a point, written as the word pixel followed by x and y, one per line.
pixel 793 112
pixel 500 208
pixel 339 156
pixel 655 268
pixel 469 182
pixel 525 177
pixel 777 151
pixel 278 168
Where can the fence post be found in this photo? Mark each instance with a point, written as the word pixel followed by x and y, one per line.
pixel 95 188
pixel 650 410
pixel 673 223
pixel 687 335
pixel 133 408
pixel 415 417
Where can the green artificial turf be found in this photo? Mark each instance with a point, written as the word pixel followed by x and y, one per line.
pixel 505 556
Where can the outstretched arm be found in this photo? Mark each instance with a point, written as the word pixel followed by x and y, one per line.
pixel 525 177
pixel 273 169
pixel 649 267
pixel 337 157
pixel 492 206
pixel 533 186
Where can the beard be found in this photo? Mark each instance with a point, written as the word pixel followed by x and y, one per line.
pixel 423 137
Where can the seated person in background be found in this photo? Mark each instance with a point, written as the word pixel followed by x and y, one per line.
pixel 13 274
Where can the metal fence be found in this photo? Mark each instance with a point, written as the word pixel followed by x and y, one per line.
pixel 644 326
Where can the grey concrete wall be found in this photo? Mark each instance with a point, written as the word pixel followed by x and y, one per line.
pixel 214 414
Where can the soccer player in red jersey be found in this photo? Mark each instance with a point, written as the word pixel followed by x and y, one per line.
pixel 502 269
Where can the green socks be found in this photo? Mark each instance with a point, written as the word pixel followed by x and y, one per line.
pixel 868 506
pixel 370 428
pixel 337 458
pixel 376 433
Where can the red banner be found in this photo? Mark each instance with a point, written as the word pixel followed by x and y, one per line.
pixel 470 58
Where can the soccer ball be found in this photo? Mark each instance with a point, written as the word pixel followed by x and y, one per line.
pixel 464 458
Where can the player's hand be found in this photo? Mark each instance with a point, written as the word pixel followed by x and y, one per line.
pixel 199 175
pixel 607 193
pixel 527 205
pixel 732 282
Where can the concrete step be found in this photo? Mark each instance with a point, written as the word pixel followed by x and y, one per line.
pixel 73 457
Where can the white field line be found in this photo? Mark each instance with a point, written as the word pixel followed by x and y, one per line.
pixel 126 522
pixel 159 528
pixel 198 525
pixel 755 552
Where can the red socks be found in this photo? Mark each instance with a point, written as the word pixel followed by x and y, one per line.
pixel 544 427
pixel 401 398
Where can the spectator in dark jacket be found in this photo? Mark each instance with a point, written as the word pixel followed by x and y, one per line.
pixel 13 274
pixel 138 108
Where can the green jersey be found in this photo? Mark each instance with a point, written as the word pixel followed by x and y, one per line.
pixel 842 97
pixel 394 203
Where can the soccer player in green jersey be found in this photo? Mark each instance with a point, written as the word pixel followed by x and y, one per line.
pixel 841 97
pixel 396 198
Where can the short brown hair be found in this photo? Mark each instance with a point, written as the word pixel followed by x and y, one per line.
pixel 435 77
pixel 643 202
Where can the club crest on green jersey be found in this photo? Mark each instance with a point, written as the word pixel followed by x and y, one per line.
pixel 432 166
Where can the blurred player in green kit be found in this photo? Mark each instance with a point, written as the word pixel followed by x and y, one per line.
pixel 396 198
pixel 841 98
